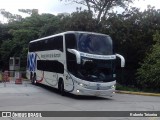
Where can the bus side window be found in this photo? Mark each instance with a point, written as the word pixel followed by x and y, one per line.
pixel 58 43
pixel 55 43
pixel 33 47
pixel 30 47
pixel 70 41
pixel 40 45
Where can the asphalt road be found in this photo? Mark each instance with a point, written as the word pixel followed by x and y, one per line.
pixel 27 97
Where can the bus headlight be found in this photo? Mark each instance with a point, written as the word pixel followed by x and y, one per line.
pixel 114 75
pixel 81 84
pixel 77 91
pixel 113 86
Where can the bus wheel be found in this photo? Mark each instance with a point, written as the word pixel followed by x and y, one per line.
pixel 61 87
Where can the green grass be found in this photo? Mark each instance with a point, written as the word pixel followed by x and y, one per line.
pixel 126 88
pixel 134 89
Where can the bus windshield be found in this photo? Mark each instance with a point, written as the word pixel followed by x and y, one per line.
pixel 95 44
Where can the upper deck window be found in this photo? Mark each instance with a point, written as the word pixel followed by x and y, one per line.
pixel 53 43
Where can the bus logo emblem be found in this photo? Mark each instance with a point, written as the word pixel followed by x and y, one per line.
pixel 32 61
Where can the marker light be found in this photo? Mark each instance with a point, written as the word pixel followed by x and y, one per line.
pixel 113 86
pixel 77 91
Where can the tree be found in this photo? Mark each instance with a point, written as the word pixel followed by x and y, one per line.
pixel 29 11
pixel 15 35
pixel 79 21
pixel 132 33
pixel 101 7
pixel 50 26
pixel 10 17
pixel 149 72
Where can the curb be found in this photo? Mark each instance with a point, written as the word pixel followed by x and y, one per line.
pixel 137 93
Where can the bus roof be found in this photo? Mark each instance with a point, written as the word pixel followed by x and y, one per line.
pixel 43 38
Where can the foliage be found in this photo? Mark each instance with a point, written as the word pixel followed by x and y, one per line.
pixel 126 88
pixel 131 32
pixel 11 17
pixel 149 73
pixel 101 7
pixel 80 21
pixel 27 11
pixel 16 35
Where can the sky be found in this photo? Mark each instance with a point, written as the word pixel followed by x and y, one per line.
pixel 44 6
pixel 56 6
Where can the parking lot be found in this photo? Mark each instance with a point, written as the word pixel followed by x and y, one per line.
pixel 28 97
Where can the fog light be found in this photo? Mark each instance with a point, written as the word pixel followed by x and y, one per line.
pixel 114 75
pixel 77 91
pixel 81 84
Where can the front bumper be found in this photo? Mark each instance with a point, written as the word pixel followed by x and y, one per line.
pixel 90 92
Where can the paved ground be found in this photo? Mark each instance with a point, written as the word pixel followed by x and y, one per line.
pixel 27 97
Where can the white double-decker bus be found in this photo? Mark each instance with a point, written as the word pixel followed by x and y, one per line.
pixel 82 63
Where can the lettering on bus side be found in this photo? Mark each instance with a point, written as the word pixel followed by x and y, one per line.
pixel 55 55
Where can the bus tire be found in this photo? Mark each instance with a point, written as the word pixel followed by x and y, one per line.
pixel 61 87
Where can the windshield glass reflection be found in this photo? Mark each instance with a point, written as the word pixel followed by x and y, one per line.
pixel 95 44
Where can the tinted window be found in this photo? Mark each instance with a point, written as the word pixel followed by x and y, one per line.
pixel 70 41
pixel 71 58
pixel 95 44
pixel 54 43
pixel 50 66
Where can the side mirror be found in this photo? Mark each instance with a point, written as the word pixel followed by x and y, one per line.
pixel 78 57
pixel 122 60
